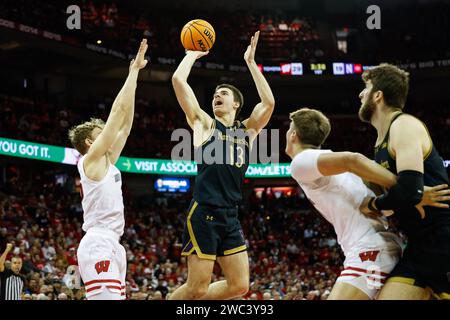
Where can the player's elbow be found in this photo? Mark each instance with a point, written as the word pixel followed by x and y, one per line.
pixel 410 187
pixel 353 160
pixel 177 80
pixel 270 103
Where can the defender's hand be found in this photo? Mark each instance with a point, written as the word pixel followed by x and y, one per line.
pixel 249 55
pixel 433 197
pixel 139 62
pixel 364 208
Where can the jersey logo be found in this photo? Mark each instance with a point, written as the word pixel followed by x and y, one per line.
pixel 210 218
pixel 102 266
pixel 117 177
pixel 385 164
pixel 369 255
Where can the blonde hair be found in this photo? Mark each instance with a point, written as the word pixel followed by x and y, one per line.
pixel 78 134
pixel 311 126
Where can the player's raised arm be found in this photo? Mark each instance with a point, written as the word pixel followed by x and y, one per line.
pixel 9 247
pixel 262 112
pixel 127 97
pixel 184 93
pixel 122 106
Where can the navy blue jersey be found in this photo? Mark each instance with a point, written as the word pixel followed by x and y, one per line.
pixel 434 174
pixel 220 183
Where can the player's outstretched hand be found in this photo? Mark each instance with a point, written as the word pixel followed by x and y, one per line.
pixel 196 54
pixel 9 247
pixel 249 55
pixel 140 62
pixel 434 197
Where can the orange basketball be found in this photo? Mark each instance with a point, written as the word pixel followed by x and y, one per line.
pixel 198 35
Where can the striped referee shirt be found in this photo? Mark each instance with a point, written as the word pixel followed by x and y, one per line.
pixel 11 285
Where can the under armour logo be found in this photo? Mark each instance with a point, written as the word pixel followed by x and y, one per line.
pixel 210 218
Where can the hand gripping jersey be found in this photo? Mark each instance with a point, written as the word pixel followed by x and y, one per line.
pixel 371 250
pixel 338 199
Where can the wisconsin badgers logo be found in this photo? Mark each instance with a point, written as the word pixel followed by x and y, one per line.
pixel 369 255
pixel 102 266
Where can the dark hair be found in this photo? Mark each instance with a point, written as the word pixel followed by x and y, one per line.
pixel 238 97
pixel 392 81
pixel 311 126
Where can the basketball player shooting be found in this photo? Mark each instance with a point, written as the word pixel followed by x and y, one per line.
pixel 102 260
pixel 212 230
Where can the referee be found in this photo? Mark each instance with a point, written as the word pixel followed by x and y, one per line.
pixel 11 282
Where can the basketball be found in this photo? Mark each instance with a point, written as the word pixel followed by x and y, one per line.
pixel 198 35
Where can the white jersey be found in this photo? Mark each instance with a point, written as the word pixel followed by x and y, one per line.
pixel 102 200
pixel 338 199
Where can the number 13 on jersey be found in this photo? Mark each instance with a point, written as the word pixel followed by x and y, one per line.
pixel 240 156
